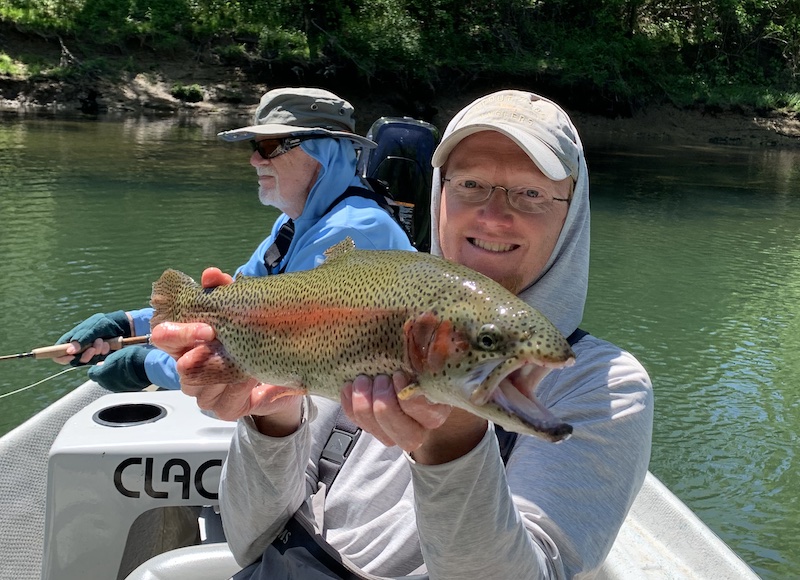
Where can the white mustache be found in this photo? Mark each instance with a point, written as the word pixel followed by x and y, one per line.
pixel 265 172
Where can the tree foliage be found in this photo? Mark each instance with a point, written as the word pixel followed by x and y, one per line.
pixel 619 53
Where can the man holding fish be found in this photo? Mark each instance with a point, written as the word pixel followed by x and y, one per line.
pixel 424 490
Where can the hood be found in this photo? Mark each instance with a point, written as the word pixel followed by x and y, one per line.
pixel 338 172
pixel 560 290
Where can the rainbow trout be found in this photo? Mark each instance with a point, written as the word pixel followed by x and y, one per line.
pixel 461 338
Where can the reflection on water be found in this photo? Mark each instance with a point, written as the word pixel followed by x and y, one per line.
pixel 702 249
pixel 695 269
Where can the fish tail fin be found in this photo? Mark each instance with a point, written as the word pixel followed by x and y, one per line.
pixel 164 298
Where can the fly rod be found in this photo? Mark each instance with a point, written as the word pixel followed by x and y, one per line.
pixel 58 350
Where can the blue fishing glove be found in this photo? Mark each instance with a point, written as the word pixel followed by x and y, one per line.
pixel 123 370
pixel 97 326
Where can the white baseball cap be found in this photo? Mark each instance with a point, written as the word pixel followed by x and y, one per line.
pixel 539 126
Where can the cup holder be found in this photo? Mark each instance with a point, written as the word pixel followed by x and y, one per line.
pixel 129 415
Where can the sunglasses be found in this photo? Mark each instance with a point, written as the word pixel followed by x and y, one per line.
pixel 272 148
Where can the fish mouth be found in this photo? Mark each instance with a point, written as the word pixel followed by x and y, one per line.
pixel 510 388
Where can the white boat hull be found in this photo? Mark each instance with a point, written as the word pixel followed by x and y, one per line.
pixel 88 496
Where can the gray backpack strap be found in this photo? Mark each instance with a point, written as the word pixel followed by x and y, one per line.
pixel 279 247
pixel 338 447
pixel 576 336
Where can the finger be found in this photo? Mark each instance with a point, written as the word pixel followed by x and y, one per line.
pixel 102 347
pixel 429 415
pixel 228 401
pixel 86 355
pixel 210 362
pixel 213 277
pixel 178 338
pixel 362 412
pixel 73 348
pixel 403 429
pixel 270 399
pixel 218 385
pixel 346 399
pixel 97 348
pixel 361 401
pixel 205 377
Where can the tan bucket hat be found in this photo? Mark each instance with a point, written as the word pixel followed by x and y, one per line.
pixel 294 112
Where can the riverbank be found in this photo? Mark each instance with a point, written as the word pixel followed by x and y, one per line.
pixel 150 95
pixel 144 84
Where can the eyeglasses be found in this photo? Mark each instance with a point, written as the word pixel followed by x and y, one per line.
pixel 525 198
pixel 272 148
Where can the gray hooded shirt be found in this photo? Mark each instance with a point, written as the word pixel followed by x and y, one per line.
pixel 552 512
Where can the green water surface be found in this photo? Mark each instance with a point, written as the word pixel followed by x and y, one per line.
pixel 695 269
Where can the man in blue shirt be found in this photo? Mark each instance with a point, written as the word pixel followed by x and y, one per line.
pixel 305 153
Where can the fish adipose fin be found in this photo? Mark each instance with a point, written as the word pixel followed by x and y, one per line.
pixel 164 298
pixel 288 392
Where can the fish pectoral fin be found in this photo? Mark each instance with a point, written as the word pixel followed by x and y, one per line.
pixel 213 365
pixel 411 391
pixel 431 342
pixel 288 392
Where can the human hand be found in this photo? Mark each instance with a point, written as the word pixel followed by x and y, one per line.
pixel 209 375
pixel 90 333
pixel 414 424
pixel 122 370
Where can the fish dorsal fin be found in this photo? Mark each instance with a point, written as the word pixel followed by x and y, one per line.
pixel 340 249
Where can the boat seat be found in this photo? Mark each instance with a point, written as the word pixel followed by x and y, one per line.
pixel 201 562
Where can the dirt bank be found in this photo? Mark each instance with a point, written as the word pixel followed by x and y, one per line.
pixel 146 86
pixel 150 94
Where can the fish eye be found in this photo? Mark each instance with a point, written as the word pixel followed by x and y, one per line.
pixel 489 337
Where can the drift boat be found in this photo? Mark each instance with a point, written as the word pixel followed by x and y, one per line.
pixel 115 486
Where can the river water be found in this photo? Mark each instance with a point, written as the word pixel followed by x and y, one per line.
pixel 695 269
